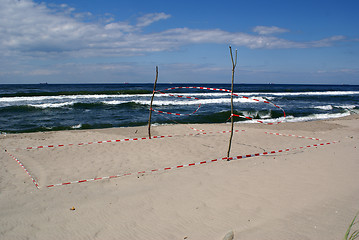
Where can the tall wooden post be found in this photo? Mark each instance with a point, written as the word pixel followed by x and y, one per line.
pixel 153 94
pixel 234 63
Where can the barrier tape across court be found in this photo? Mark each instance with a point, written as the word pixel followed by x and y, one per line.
pixel 147 138
pixel 189 165
pixel 23 167
pixel 292 135
pixel 123 140
pixel 99 142
pixel 184 165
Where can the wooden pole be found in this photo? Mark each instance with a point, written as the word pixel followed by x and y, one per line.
pixel 234 63
pixel 153 95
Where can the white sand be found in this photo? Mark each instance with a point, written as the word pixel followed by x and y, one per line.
pixel 310 193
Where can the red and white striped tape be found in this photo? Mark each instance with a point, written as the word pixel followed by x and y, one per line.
pixel 177 114
pixel 217 89
pixel 124 140
pixel 23 167
pixel 170 168
pixel 179 96
pixel 291 135
pixel 189 165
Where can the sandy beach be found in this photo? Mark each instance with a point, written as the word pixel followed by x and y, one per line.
pixel 288 181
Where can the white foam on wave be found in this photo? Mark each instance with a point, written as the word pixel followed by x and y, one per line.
pixel 157 101
pixel 115 102
pixel 346 106
pixel 52 105
pixel 77 126
pixel 312 117
pixel 67 97
pixel 269 95
pixel 325 107
pixel 27 99
pixel 184 102
pixel 197 102
pixel 330 107
pixel 262 115
pixel 316 117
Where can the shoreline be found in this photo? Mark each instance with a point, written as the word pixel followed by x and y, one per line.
pixel 305 193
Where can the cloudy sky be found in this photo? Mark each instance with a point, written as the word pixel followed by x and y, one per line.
pixel 110 41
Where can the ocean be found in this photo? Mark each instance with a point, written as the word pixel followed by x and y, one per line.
pixel 54 107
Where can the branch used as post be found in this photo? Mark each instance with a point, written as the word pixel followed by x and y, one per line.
pixel 153 94
pixel 234 63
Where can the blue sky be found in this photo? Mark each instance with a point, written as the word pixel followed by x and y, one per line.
pixel 82 41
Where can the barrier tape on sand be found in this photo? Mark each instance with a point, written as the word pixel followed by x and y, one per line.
pixel 215 89
pixel 123 140
pixel 23 167
pixel 146 138
pixel 291 135
pixel 189 165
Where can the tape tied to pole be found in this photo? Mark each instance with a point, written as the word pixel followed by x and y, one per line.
pixel 215 89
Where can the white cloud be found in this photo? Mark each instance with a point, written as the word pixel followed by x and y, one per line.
pixel 150 18
pixel 264 30
pixel 180 36
pixel 37 30
pixel 29 27
pixel 326 42
pixel 119 26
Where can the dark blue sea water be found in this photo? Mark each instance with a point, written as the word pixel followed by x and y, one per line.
pixel 49 107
